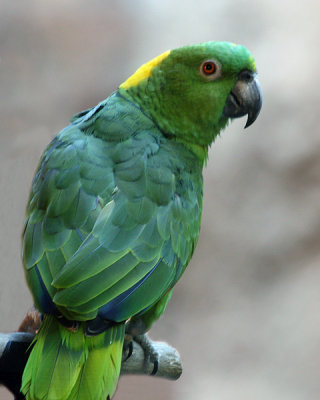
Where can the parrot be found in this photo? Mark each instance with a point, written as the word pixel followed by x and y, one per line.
pixel 114 213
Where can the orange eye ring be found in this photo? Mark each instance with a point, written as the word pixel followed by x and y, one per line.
pixel 208 68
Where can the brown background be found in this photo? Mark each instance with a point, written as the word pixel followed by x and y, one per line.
pixel 245 316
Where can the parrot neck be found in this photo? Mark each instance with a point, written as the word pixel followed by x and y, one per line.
pixel 201 152
pixel 171 129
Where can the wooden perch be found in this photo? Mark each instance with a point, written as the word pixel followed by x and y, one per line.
pixel 14 353
pixel 169 367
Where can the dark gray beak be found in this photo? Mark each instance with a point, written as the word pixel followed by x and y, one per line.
pixel 245 98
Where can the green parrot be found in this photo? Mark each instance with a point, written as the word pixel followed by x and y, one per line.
pixel 114 213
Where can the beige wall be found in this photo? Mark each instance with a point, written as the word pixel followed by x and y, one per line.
pixel 245 316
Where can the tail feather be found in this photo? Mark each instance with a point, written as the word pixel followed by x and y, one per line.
pixel 71 366
pixel 101 381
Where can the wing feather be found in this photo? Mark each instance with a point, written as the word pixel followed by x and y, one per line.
pixel 105 224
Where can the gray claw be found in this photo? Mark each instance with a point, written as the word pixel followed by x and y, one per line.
pixel 150 352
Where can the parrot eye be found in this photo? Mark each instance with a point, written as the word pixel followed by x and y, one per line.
pixel 209 69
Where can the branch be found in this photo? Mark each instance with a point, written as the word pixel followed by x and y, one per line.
pixel 15 350
pixel 13 358
pixel 169 367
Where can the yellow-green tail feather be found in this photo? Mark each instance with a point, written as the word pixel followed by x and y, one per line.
pixel 71 366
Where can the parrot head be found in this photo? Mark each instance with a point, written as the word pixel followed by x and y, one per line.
pixel 191 92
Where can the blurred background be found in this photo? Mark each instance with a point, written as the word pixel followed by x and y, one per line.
pixel 245 316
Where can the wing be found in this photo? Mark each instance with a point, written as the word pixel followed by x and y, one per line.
pixel 106 231
pixel 64 204
pixel 127 262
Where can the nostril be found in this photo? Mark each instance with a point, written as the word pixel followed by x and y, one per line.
pixel 246 75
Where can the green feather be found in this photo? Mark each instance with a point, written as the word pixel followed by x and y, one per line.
pixel 47 188
pixel 53 225
pixel 71 246
pixel 67 176
pixel 130 279
pixel 146 253
pixel 32 244
pixel 150 235
pixel 62 200
pixel 101 370
pixel 141 210
pixel 54 241
pixel 163 222
pixel 56 260
pixel 70 366
pixel 45 273
pixel 34 285
pixel 63 157
pixel 124 239
pixel 77 214
pixel 90 288
pixel 93 255
pixel 130 178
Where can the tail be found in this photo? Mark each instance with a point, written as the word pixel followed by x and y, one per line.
pixel 71 366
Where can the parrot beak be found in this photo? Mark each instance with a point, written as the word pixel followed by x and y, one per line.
pixel 245 98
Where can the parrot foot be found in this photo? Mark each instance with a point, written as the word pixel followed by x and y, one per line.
pixel 150 352
pixel 127 347
pixel 136 330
